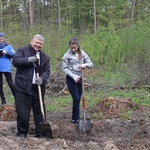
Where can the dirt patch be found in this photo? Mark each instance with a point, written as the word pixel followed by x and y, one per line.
pixel 106 134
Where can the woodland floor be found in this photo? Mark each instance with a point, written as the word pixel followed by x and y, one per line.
pixel 105 134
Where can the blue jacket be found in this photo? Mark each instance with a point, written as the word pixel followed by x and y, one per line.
pixel 5 60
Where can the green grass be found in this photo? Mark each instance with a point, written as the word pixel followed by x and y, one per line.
pixel 61 103
pixel 113 78
pixel 93 97
pixel 58 103
pixel 140 96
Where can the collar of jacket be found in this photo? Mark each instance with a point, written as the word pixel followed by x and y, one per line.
pixel 2 45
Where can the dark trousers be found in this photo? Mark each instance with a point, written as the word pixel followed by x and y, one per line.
pixel 76 92
pixel 9 80
pixel 24 104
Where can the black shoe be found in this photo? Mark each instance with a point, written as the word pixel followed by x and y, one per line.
pixel 38 133
pixel 3 104
pixel 74 121
pixel 21 135
pixel 39 136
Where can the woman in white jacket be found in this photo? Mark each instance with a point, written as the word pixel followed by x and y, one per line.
pixel 73 61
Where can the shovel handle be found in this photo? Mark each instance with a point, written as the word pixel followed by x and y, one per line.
pixel 83 98
pixel 83 103
pixel 40 96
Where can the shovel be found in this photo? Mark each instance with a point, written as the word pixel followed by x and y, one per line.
pixel 46 128
pixel 83 124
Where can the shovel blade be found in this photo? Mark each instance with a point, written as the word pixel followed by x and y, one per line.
pixel 46 130
pixel 83 126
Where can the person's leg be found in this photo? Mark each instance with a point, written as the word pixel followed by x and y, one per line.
pixel 1 89
pixel 38 118
pixel 10 82
pixel 23 109
pixel 74 91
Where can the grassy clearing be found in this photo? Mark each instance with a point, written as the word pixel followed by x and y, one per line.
pixel 93 97
pixel 64 103
pixel 140 96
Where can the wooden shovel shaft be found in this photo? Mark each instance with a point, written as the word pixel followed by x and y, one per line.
pixel 40 97
pixel 83 103
pixel 83 98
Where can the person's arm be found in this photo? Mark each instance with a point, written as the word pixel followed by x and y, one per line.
pixel 19 60
pixel 10 52
pixel 86 61
pixel 65 66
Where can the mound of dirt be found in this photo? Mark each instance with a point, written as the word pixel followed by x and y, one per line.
pixel 106 134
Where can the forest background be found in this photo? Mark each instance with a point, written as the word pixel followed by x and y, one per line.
pixel 115 34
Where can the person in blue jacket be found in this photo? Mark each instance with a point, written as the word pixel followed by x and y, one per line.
pixel 73 61
pixel 6 53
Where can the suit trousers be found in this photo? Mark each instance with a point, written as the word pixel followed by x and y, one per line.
pixel 24 104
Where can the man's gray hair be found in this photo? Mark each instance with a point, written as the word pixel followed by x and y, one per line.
pixel 39 37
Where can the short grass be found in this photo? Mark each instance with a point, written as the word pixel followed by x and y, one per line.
pixel 63 103
pixel 60 103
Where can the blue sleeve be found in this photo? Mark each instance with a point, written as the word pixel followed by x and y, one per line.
pixel 10 51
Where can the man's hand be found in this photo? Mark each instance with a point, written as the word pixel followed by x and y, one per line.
pixel 32 59
pixel 38 81
pixel 76 78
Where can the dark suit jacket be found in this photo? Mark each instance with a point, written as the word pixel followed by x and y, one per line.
pixel 25 70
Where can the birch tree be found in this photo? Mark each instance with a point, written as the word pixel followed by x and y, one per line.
pixel 94 16
pixel 1 14
pixel 59 18
pixel 132 12
pixel 30 13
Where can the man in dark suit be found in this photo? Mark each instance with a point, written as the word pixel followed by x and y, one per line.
pixel 26 84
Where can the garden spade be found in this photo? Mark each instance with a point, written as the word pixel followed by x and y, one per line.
pixel 46 128
pixel 83 124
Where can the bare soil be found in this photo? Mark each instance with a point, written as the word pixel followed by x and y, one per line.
pixel 110 133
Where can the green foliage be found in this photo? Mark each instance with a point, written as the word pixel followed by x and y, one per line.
pixel 76 15
pixel 113 49
pixel 113 78
pixel 120 53
pixel 125 50
pixel 108 47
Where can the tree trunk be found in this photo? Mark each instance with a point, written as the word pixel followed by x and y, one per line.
pixel 132 12
pixel 59 20
pixel 94 16
pixel 30 13
pixel 1 15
